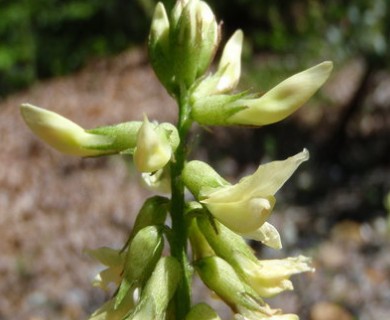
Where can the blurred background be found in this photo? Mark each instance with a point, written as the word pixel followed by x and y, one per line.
pixel 87 60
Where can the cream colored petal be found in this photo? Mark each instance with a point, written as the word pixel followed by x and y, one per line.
pixel 266 234
pixel 230 63
pixel 61 133
pixel 271 277
pixel 267 180
pixel 153 150
pixel 158 181
pixel 106 256
pixel 107 276
pixel 284 99
pixel 276 269
pixel 243 216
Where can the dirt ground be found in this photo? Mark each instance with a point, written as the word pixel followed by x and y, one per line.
pixel 53 207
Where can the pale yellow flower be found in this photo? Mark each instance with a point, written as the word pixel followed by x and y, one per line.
pixel 153 149
pixel 271 277
pixel 245 206
pixel 62 133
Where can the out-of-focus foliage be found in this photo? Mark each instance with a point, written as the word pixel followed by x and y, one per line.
pixel 43 38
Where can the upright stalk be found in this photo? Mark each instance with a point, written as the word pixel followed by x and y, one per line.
pixel 179 226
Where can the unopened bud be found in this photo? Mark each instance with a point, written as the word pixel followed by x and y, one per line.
pixel 224 241
pixel 200 247
pixel 153 150
pixel 144 251
pixel 220 277
pixel 284 99
pixel 158 291
pixel 228 73
pixel 159 47
pixel 194 39
pixel 273 106
pixel 153 212
pixel 63 134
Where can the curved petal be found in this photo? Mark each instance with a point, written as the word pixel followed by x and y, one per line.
pixel 266 234
pixel 243 216
pixel 267 180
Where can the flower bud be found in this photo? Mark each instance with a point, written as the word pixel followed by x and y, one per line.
pixel 228 73
pixel 273 106
pixel 220 277
pixel 68 137
pixel 202 311
pixel 244 207
pixel 144 251
pixel 199 245
pixel 223 241
pixel 153 212
pixel 194 37
pixel 284 99
pixel 63 134
pixel 159 48
pixel 153 150
pixel 158 291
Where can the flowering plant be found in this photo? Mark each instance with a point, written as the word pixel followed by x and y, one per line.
pixel 153 285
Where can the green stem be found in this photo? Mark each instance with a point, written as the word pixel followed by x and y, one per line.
pixel 179 226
